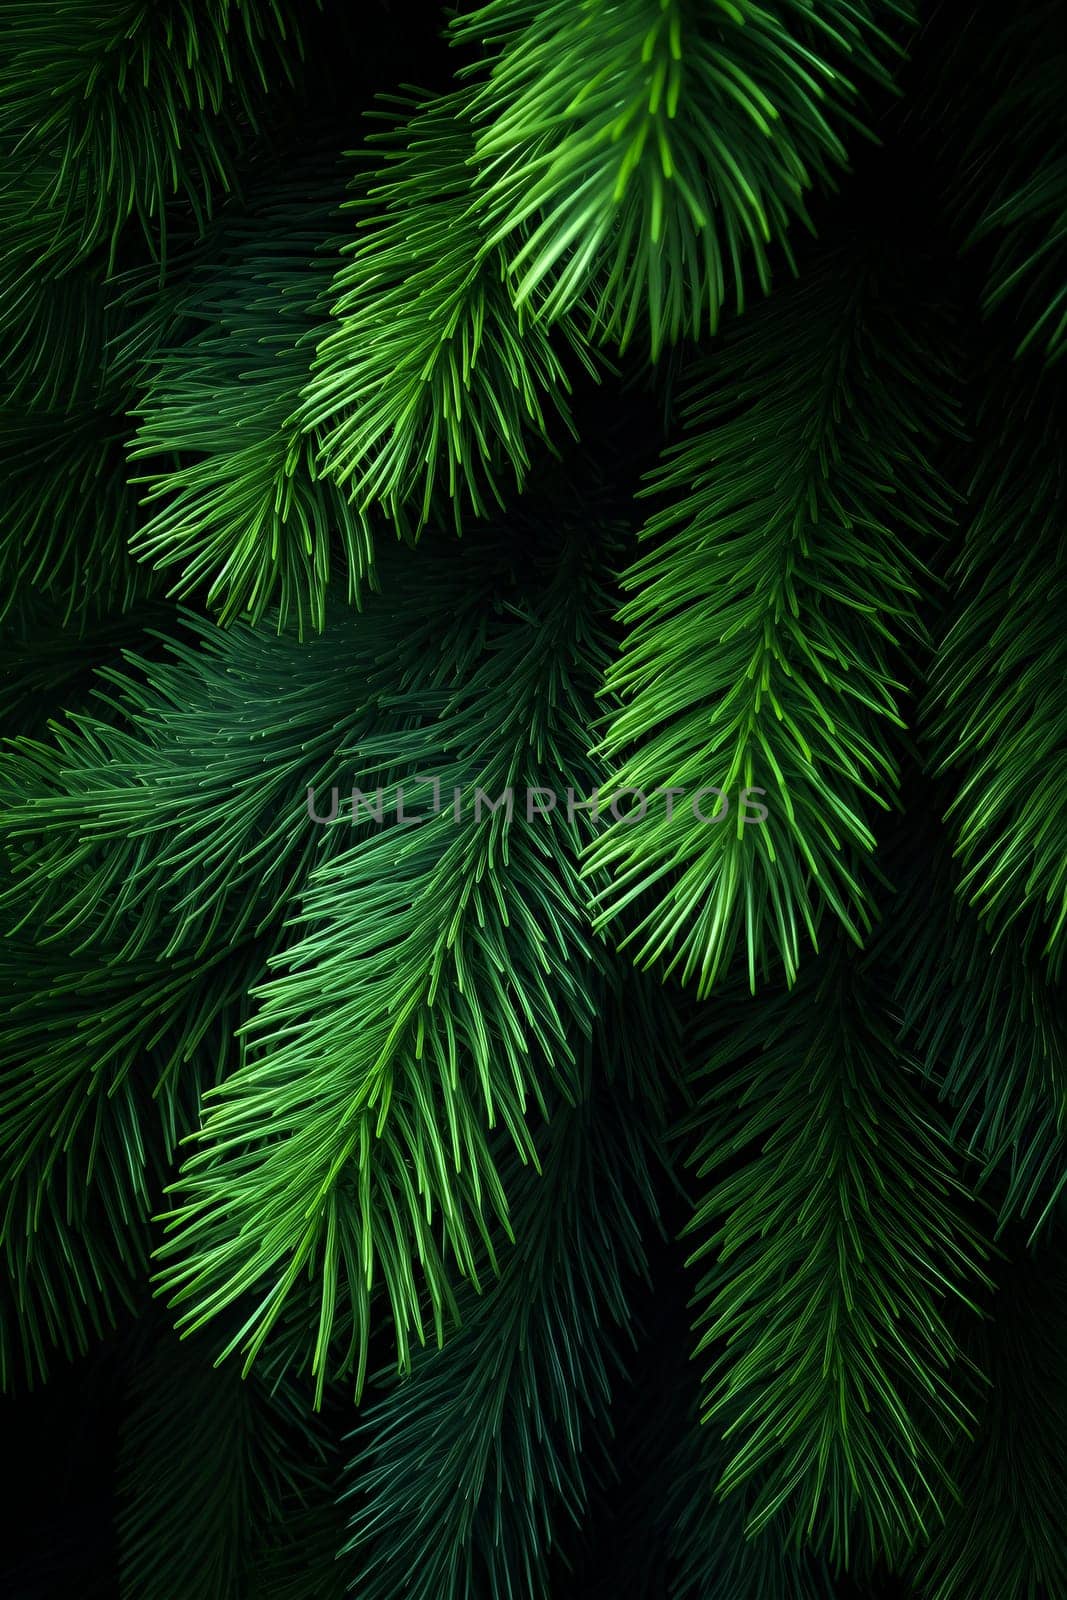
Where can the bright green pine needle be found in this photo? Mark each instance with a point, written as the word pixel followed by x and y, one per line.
pixel 468 1471
pixel 650 151
pixel 437 971
pixel 782 583
pixel 431 387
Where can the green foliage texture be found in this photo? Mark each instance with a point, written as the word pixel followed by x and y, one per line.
pixel 533 795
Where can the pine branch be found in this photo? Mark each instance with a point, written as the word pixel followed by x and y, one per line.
pixel 712 1550
pixel 177 805
pixel 212 1467
pixel 837 1240
pixel 1013 189
pixel 438 968
pixel 76 331
pixel 54 323
pixel 155 821
pixel 430 386
pixel 670 1535
pixel 151 311
pixel 653 151
pixel 1005 1536
pixel 990 1030
pixel 121 105
pixel 996 707
pixel 466 1469
pixel 102 1064
pixel 767 620
pixel 69 516
pixel 243 508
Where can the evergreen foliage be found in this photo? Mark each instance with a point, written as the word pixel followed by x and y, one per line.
pixel 836 1237
pixel 245 509
pixel 426 388
pixel 785 578
pixel 533 882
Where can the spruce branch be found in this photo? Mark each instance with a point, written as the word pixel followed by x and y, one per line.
pixel 836 1243
pixel 243 510
pixel 1004 1537
pixel 466 1473
pixel 767 622
pixel 120 105
pixel 996 707
pixel 430 387
pixel 438 967
pixel 651 153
